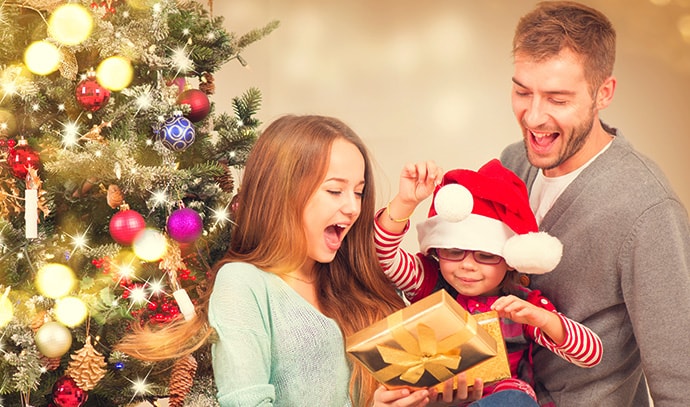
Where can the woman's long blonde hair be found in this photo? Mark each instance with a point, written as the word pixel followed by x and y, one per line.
pixel 284 169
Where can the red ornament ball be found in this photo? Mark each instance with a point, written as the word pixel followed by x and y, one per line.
pixel 185 225
pixel 198 103
pixel 21 157
pixel 125 226
pixel 91 95
pixel 66 393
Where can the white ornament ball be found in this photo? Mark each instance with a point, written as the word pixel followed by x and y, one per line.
pixel 53 339
pixel 453 202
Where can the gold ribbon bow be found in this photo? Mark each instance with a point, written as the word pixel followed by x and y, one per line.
pixel 423 353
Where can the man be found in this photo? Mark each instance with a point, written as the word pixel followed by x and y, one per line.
pixel 625 270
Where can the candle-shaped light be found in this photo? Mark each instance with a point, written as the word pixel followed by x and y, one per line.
pixel 31 206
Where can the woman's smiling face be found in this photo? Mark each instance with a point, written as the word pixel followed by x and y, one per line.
pixel 337 202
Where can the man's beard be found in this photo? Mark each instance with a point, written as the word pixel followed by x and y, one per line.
pixel 574 144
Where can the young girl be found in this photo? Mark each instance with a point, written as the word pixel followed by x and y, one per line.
pixel 301 273
pixel 480 230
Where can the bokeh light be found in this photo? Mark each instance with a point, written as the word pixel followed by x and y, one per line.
pixel 115 73
pixel 42 57
pixel 6 309
pixel 150 245
pixel 55 280
pixel 684 27
pixel 8 124
pixel 70 24
pixel 141 4
pixel 70 311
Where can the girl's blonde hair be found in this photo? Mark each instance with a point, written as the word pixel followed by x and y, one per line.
pixel 284 169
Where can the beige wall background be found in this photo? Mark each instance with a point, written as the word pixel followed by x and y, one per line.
pixel 431 80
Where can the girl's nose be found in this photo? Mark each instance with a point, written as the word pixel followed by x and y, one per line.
pixel 352 205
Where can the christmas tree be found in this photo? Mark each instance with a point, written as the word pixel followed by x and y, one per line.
pixel 116 185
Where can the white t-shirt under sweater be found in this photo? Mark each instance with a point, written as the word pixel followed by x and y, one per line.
pixel 274 348
pixel 545 190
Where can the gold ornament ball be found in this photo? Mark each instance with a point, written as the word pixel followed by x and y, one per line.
pixel 70 311
pixel 70 24
pixel 115 73
pixel 42 57
pixel 53 339
pixel 150 245
pixel 55 280
pixel 6 311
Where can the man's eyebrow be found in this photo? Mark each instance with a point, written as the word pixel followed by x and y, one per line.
pixel 551 92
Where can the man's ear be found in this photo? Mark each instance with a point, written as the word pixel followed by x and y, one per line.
pixel 605 93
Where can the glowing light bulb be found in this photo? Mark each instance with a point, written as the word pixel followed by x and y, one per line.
pixel 115 73
pixel 70 311
pixel 42 57
pixel 55 280
pixel 70 24
pixel 150 245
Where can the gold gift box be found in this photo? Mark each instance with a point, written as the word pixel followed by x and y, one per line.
pixel 495 368
pixel 423 344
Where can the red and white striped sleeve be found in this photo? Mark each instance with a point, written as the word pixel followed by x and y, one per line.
pixel 581 347
pixel 400 266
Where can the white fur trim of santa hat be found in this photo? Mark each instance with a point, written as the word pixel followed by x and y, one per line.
pixel 533 252
pixel 454 226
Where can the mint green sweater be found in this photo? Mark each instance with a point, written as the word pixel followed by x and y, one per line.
pixel 274 348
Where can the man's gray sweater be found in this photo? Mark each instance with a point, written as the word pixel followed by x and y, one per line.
pixel 625 273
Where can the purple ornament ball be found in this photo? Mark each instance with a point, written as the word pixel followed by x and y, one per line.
pixel 185 225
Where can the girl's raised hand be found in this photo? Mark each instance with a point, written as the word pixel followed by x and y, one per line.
pixel 417 182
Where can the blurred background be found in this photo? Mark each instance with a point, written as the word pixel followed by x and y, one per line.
pixel 432 80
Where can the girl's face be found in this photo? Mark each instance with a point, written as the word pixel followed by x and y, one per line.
pixel 337 202
pixel 471 278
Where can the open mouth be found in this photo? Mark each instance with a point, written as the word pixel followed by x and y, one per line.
pixel 333 235
pixel 543 140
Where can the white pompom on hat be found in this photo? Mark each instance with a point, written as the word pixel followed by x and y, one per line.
pixel 488 210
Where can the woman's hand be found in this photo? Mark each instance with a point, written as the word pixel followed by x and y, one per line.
pixel 455 392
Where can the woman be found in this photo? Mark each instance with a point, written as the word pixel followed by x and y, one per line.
pixel 300 275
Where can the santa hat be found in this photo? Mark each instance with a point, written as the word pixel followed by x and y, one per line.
pixel 488 210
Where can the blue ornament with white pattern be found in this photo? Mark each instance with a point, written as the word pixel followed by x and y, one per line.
pixel 177 133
